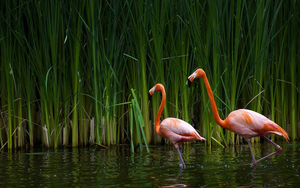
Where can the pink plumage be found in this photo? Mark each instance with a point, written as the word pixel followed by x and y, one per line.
pixel 245 123
pixel 248 124
pixel 176 130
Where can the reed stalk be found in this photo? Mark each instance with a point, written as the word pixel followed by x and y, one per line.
pixel 75 71
pixel 29 97
pixel 293 64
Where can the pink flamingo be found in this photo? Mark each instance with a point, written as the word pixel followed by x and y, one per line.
pixel 176 130
pixel 243 122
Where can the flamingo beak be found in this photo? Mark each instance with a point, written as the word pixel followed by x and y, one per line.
pixel 189 83
pixel 151 91
pixel 149 96
pixel 191 78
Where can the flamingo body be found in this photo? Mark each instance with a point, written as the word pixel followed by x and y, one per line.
pixel 176 130
pixel 243 122
pixel 248 124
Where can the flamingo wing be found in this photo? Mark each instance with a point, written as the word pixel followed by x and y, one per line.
pixel 248 124
pixel 178 130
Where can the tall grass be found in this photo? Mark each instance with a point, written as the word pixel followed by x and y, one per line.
pixel 78 72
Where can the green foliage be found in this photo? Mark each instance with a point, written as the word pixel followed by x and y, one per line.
pixel 65 63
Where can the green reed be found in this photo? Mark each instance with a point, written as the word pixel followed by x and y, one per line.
pixel 67 68
pixel 293 76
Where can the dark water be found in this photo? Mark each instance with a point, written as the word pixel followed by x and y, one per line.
pixel 118 167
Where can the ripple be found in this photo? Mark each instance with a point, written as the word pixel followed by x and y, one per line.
pixel 118 167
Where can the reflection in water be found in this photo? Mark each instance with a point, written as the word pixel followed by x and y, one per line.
pixel 118 167
pixel 252 178
pixel 174 182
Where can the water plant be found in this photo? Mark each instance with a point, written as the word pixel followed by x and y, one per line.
pixel 67 68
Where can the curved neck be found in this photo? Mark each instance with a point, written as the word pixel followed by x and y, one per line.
pixel 161 107
pixel 212 102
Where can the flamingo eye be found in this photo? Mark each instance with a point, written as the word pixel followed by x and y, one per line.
pixel 152 90
pixel 195 74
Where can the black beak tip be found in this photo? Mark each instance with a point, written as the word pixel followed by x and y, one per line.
pixel 149 97
pixel 189 83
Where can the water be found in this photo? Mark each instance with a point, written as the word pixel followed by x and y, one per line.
pixel 118 167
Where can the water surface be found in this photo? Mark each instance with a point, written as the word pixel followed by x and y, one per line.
pixel 118 167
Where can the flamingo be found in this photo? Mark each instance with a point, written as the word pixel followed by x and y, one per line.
pixel 243 122
pixel 176 130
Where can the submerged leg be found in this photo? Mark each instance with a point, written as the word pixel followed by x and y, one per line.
pixel 279 149
pixel 254 162
pixel 179 152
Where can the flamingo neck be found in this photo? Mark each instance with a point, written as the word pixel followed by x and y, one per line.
pixel 161 107
pixel 212 102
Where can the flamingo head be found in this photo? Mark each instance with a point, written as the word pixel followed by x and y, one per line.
pixel 157 87
pixel 151 91
pixel 197 74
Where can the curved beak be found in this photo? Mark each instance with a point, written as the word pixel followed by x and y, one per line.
pixel 191 78
pixel 189 83
pixel 149 96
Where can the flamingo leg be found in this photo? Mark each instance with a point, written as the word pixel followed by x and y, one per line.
pixel 252 155
pixel 279 149
pixel 180 156
pixel 276 145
